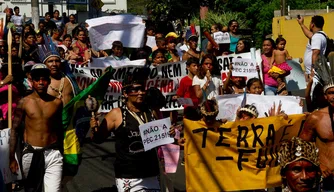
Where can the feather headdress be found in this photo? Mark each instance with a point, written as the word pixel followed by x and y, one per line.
pixel 191 32
pixel 47 49
pixel 325 72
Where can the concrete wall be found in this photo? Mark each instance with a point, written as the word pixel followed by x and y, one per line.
pixel 294 13
pixel 291 31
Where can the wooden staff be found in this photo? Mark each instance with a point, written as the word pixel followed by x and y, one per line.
pixel 9 41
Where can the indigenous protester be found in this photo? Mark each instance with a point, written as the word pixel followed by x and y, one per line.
pixel 135 169
pixel 318 126
pixel 49 25
pixel 192 40
pixel 317 101
pixel 59 22
pixel 317 41
pixel 42 159
pixel 209 111
pixel 247 112
pixel 68 30
pixel 207 84
pixel 300 166
pixel 171 48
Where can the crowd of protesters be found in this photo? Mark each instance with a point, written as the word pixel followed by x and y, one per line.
pixel 202 84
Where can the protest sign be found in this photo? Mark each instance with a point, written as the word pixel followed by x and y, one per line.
pixel 228 104
pixel 221 38
pixel 155 133
pixel 244 67
pixel 247 151
pixel 151 41
pixel 7 175
pixel 185 101
pixel 296 80
pixel 225 61
pixel 128 29
pixel 171 157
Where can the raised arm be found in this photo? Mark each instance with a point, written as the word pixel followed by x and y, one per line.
pixel 18 116
pixel 305 30
pixel 110 122
pixel 309 130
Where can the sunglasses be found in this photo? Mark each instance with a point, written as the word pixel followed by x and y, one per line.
pixel 137 89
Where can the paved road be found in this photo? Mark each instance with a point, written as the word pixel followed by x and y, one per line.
pixel 96 170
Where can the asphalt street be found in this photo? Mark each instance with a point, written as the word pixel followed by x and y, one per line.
pixel 96 172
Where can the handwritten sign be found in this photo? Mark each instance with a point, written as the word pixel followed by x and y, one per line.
pixel 185 101
pixel 221 38
pixel 4 160
pixel 244 151
pixel 156 133
pixel 244 67
pixel 171 157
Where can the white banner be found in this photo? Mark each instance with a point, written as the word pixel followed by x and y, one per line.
pixel 228 104
pixel 244 67
pixel 7 175
pixel 106 62
pixel 156 133
pixel 128 29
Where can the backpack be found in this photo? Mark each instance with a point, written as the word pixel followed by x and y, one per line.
pixel 329 45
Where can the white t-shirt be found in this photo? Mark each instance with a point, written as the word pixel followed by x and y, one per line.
pixel 319 42
pixel 17 20
pixel 212 90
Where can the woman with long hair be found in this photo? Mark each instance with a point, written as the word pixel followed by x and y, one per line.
pixel 207 83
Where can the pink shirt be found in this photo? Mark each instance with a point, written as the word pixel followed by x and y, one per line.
pixel 268 80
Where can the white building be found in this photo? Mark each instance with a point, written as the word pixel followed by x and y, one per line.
pixel 61 5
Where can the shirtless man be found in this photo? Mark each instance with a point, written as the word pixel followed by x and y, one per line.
pixel 192 52
pixel 60 86
pixel 42 160
pixel 319 127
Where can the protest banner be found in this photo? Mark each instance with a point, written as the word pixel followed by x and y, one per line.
pixel 171 157
pixel 225 61
pixel 244 67
pixel 128 29
pixel 156 133
pixel 7 175
pixel 296 80
pixel 228 104
pixel 247 151
pixel 107 62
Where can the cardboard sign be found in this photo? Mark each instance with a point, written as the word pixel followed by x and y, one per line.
pixel 244 67
pixel 156 133
pixel 221 38
pixel 185 101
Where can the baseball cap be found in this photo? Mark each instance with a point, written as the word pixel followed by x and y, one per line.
pixel 40 70
pixel 172 34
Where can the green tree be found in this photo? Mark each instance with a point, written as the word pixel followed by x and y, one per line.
pixel 137 7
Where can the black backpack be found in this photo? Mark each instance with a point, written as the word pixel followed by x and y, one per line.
pixel 330 44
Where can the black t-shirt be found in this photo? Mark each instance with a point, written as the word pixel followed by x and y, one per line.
pixel 131 159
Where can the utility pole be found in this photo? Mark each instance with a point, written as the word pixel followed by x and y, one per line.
pixel 35 12
pixel 283 8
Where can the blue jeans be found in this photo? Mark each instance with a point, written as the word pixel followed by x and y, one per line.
pixel 269 90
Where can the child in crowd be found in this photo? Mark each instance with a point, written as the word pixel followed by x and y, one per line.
pixel 159 57
pixel 234 85
pixel 186 90
pixel 161 44
pixel 17 37
pixel 117 52
pixel 74 56
pixel 247 112
pixel 254 86
pixel 39 38
pixel 27 81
